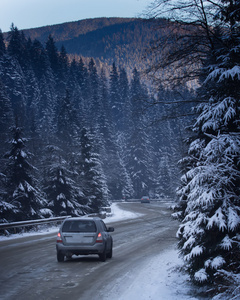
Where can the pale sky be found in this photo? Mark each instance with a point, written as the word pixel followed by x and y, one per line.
pixel 36 13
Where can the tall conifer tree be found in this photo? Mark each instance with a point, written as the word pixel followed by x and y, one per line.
pixel 92 179
pixel 21 187
pixel 209 232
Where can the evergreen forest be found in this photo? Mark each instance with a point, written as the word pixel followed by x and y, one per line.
pixel 74 138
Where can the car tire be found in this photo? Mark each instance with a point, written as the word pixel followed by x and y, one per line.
pixel 109 254
pixel 60 256
pixel 103 256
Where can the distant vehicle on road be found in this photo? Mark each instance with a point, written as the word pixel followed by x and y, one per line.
pixel 145 199
pixel 83 236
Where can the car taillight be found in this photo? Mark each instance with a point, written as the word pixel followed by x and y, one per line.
pixel 99 238
pixel 59 238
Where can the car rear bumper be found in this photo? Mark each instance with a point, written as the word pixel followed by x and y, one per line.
pixel 80 250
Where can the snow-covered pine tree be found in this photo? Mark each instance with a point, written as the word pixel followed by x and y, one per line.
pixel 22 194
pixel 112 164
pixel 104 138
pixel 73 85
pixel 61 175
pixel 6 122
pixel 92 104
pixel 53 54
pixel 43 100
pixel 209 232
pixel 105 120
pixel 92 179
pixel 17 45
pixel 172 119
pixel 114 97
pixel 67 122
pixel 83 78
pixel 124 94
pixel 39 58
pixel 127 191
pixel 63 193
pixel 6 118
pixel 139 152
pixel 12 73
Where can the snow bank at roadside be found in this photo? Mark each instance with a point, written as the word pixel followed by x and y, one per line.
pixel 162 279
pixel 158 278
pixel 117 215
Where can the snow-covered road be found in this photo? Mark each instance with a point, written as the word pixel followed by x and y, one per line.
pixel 157 277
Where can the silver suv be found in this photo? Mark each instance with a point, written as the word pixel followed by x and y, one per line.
pixel 83 236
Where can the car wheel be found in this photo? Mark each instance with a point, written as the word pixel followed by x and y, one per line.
pixel 109 255
pixel 60 257
pixel 103 256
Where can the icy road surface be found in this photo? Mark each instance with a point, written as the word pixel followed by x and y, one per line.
pixel 144 266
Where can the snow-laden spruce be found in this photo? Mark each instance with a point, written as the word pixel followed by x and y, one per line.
pixel 210 192
pixel 23 200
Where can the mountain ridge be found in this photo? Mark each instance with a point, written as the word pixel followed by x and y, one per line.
pixel 74 27
pixel 107 40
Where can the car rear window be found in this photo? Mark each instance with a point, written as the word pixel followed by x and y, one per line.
pixel 79 226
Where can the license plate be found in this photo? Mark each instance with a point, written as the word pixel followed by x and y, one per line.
pixel 79 239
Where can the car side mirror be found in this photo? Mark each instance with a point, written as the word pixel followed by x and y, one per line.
pixel 110 229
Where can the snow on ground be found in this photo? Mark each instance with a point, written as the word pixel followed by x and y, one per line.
pixel 120 214
pixel 158 278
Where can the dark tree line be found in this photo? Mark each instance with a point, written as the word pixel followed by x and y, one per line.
pixel 77 138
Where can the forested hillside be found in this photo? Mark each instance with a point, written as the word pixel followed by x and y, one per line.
pixel 107 40
pixel 73 138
